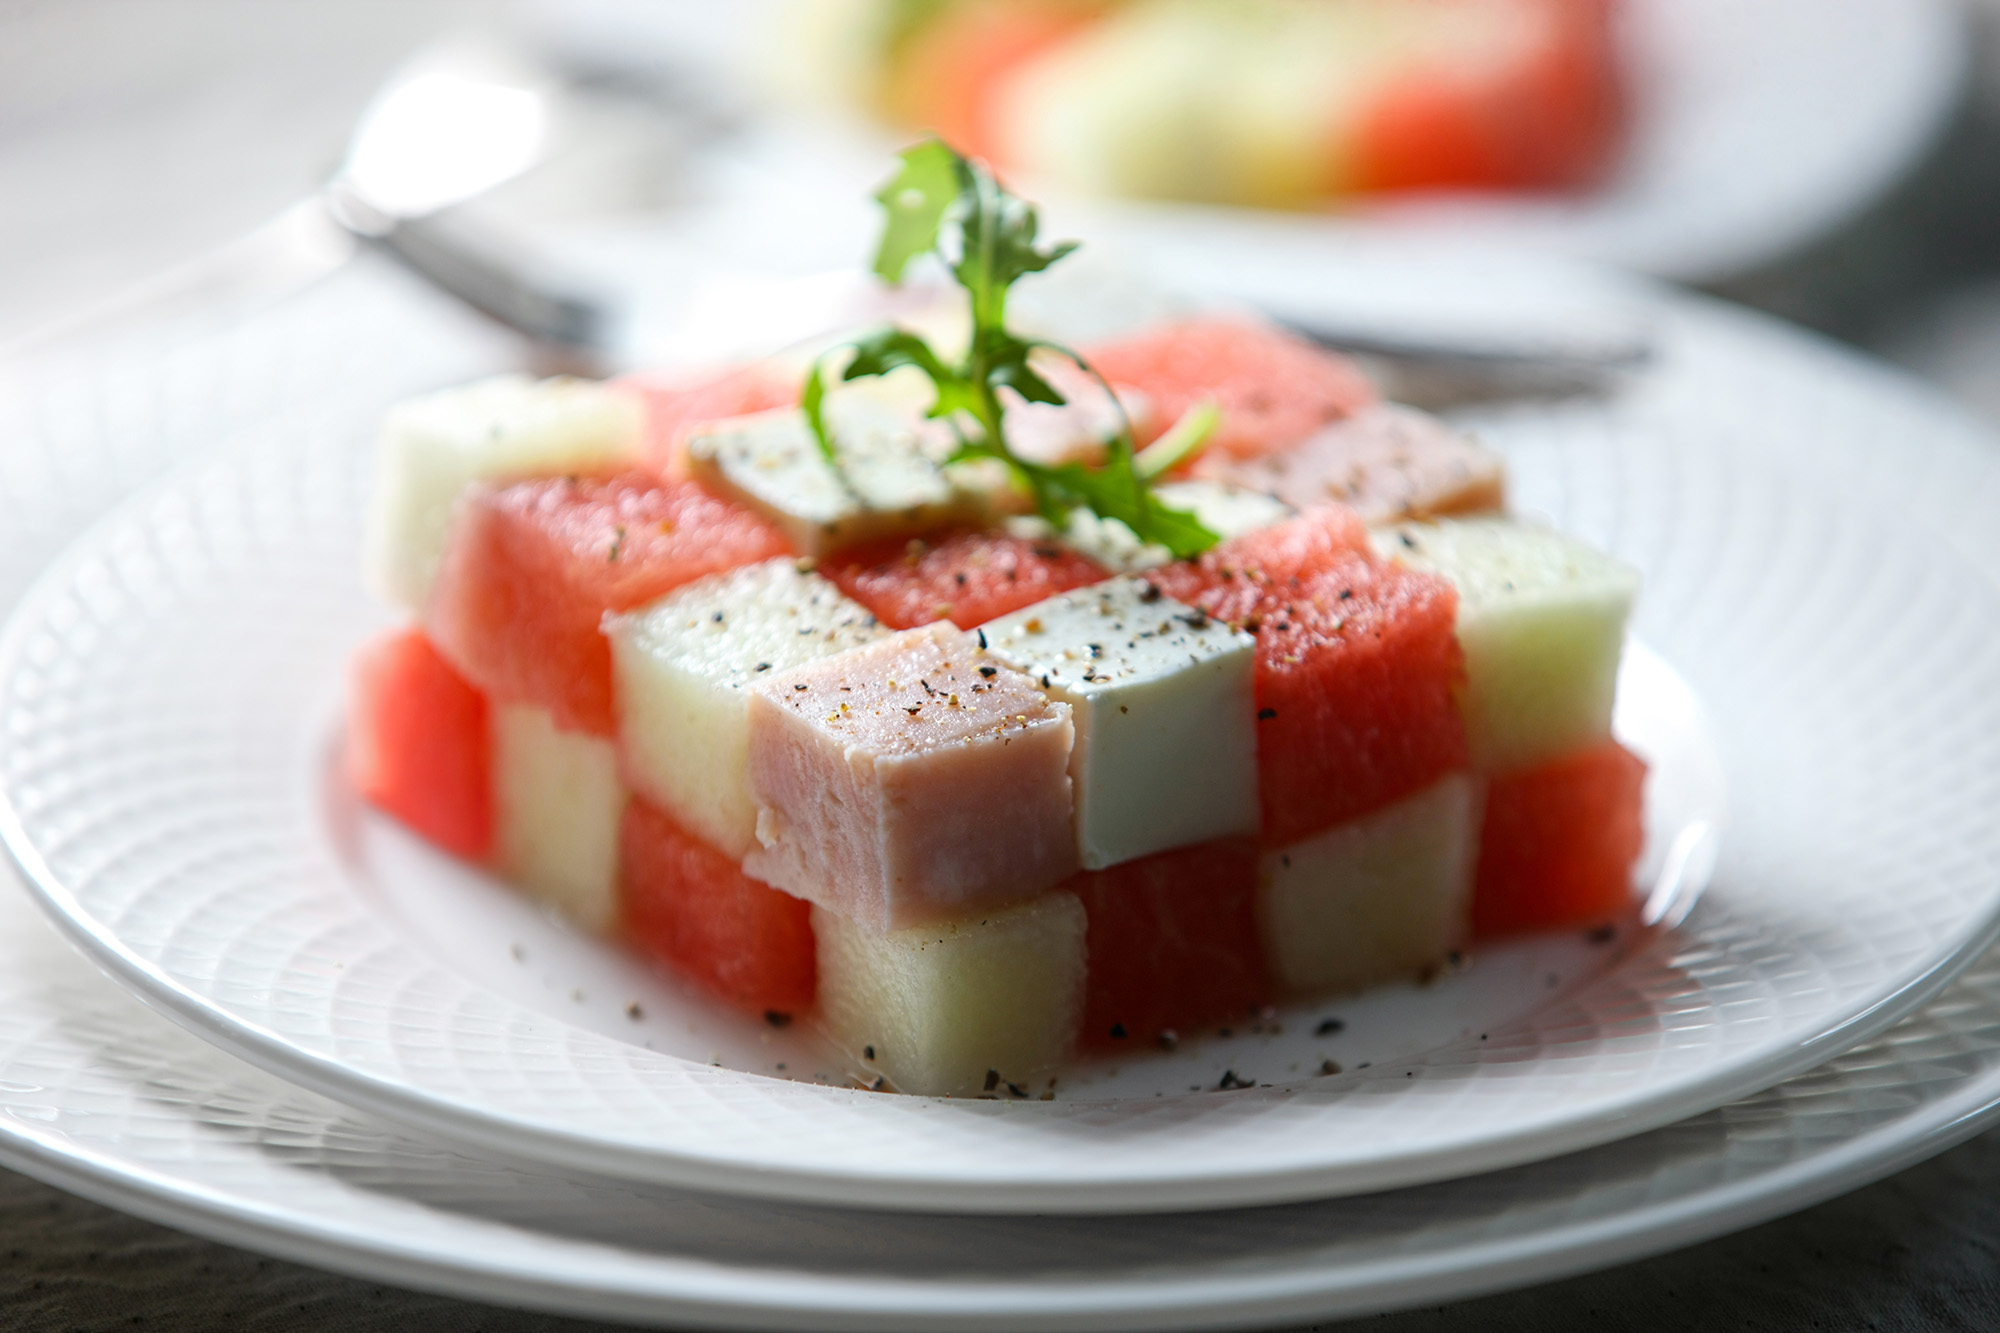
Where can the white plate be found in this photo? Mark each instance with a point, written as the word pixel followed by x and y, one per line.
pixel 169 690
pixel 102 1098
pixel 105 1099
pixel 1759 125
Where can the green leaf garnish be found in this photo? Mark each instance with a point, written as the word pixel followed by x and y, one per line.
pixel 1183 440
pixel 915 203
pixel 939 189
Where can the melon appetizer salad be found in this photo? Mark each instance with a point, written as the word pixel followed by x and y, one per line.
pixel 991 705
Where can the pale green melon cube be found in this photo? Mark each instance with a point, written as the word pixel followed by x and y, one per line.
pixel 1381 897
pixel 683 667
pixel 1541 618
pixel 957 1008
pixel 432 448
pixel 557 804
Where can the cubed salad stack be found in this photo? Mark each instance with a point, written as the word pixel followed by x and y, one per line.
pixel 847 722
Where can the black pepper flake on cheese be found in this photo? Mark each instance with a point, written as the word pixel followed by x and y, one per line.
pixel 982 639
pixel 717 617
pixel 801 687
pixel 989 672
pixel 1150 594
pixel 763 666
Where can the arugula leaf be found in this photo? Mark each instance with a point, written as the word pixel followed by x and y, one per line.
pixel 997 245
pixel 915 202
pixel 1007 367
pixel 1182 440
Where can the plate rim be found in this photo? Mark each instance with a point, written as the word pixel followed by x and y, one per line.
pixel 434 1114
pixel 1139 1300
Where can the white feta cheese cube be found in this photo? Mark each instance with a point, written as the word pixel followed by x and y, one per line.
pixel 1161 695
pixel 557 803
pixel 962 1007
pixel 1380 897
pixel 682 668
pixel 891 481
pixel 1227 511
pixel 432 448
pixel 1541 619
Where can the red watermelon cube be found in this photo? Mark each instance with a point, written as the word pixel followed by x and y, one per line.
pixel 418 744
pixel 1274 388
pixel 966 577
pixel 1173 944
pixel 677 407
pixel 1559 842
pixel 533 567
pixel 685 903
pixel 1357 668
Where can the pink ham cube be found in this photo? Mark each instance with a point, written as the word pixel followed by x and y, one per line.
pixel 910 779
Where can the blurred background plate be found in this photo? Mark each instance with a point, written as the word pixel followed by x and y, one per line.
pixel 1757 125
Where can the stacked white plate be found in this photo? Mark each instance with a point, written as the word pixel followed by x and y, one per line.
pixel 377 1062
